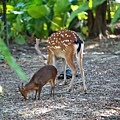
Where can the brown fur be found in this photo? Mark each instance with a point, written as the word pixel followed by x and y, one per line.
pixel 40 78
pixel 66 45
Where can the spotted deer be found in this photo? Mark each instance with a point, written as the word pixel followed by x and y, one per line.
pixel 67 45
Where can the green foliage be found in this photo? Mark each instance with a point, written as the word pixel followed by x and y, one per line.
pixel 61 14
pixel 11 61
pixel 1 57
pixel 16 22
pixel 43 16
pixel 115 18
pixel 90 4
pixel 17 28
pixel 2 35
pixel 41 28
pixel 61 6
pixel 5 55
pixel 84 7
pixel 81 15
pixel 38 11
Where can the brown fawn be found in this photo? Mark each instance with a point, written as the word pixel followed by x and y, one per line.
pixel 40 78
pixel 66 45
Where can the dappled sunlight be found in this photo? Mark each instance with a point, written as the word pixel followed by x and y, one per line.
pixel 107 112
pixel 38 110
pixel 50 108
pixel 92 46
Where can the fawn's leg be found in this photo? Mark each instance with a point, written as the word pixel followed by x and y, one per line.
pixel 64 69
pixel 39 91
pixel 36 94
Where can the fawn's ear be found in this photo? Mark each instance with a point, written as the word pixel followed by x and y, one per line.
pixel 19 88
pixel 22 85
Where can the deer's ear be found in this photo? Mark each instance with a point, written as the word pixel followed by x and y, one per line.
pixel 22 85
pixel 19 87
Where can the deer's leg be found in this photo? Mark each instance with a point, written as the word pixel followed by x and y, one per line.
pixel 52 82
pixel 64 69
pixel 39 91
pixel 54 60
pixel 73 68
pixel 79 60
pixel 51 58
pixel 35 94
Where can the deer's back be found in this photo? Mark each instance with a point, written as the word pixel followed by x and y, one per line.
pixel 64 42
pixel 46 73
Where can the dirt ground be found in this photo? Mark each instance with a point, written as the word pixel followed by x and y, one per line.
pixel 102 71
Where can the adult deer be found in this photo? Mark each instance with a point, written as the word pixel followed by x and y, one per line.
pixel 66 45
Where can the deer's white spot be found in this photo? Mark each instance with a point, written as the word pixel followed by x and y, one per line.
pixel 65 45
pixel 57 47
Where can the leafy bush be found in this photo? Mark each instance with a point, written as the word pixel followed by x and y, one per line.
pixel 45 16
pixel 6 55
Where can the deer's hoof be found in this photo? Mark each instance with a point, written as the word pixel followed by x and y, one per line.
pixel 65 83
pixel 85 91
pixel 69 89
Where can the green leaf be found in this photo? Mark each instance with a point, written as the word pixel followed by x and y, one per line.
pixel 82 8
pixel 20 4
pixel 20 39
pixel 38 11
pixel 31 3
pixel 82 15
pixel 1 57
pixel 58 20
pixel 90 3
pixel 51 2
pixel 116 16
pixel 9 8
pixel 11 61
pixel 42 30
pixel 61 6
pixel 17 27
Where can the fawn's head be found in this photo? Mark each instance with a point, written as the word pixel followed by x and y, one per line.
pixel 23 91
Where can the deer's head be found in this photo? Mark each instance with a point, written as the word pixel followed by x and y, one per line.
pixel 23 91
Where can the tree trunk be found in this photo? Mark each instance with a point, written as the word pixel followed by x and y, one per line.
pixel 98 26
pixel 5 22
pixel 90 20
pixel 108 11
